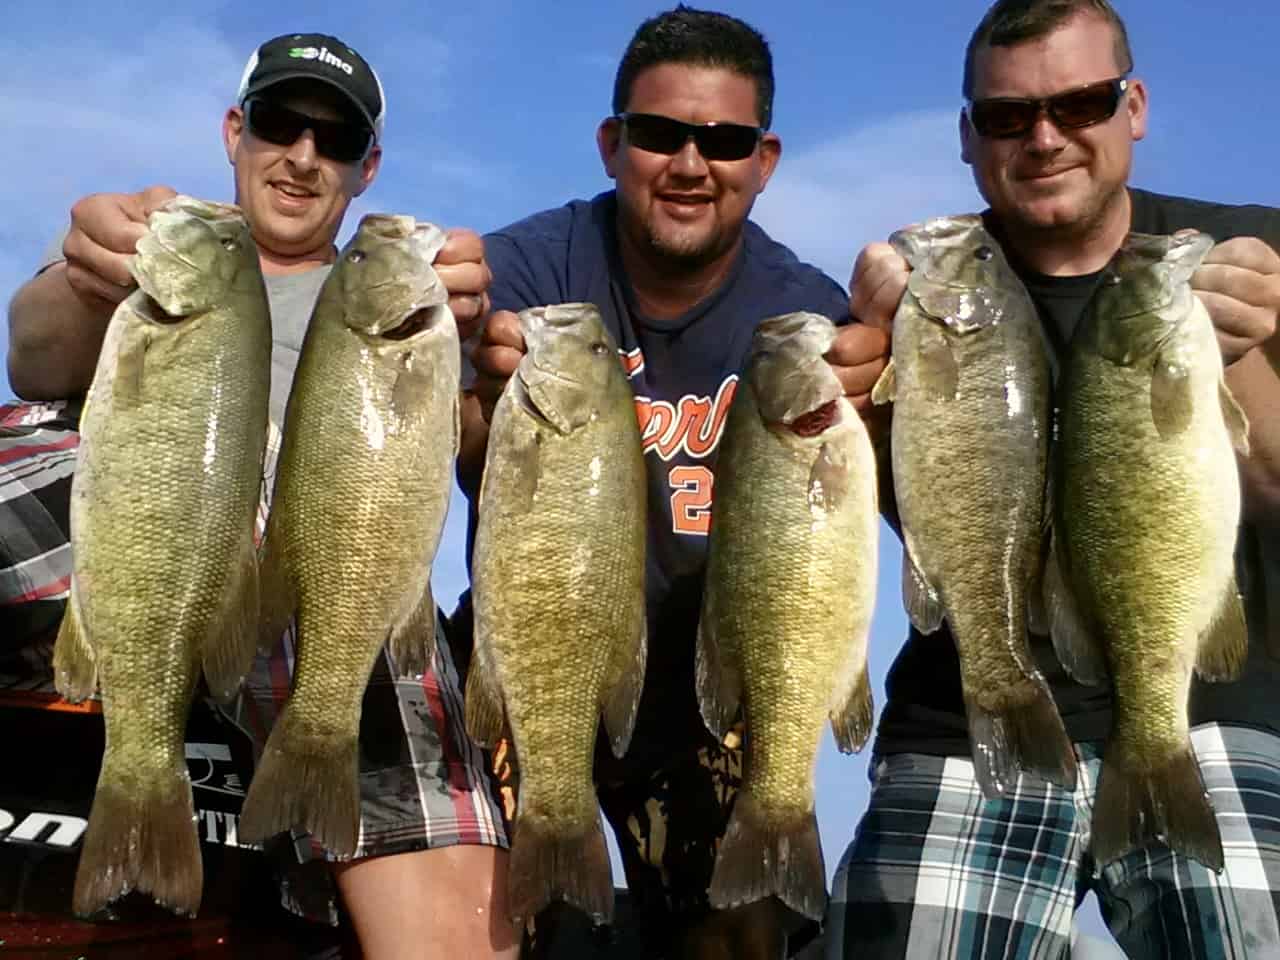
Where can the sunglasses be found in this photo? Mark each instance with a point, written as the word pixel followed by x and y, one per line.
pixel 715 141
pixel 338 140
pixel 1006 117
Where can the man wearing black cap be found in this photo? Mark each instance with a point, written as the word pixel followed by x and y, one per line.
pixel 304 139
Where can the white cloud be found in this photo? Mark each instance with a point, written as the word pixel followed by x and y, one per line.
pixel 828 201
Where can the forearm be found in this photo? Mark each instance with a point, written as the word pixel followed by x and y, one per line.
pixel 1255 384
pixel 54 337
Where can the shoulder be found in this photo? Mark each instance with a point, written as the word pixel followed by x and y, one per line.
pixel 551 228
pixel 774 270
pixel 1164 213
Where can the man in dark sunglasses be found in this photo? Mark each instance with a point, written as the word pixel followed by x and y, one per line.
pixel 304 139
pixel 682 277
pixel 1050 117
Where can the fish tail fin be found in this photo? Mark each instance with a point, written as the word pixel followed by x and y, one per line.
pixel 758 859
pixel 551 863
pixel 141 836
pixel 306 782
pixel 229 652
pixel 1137 803
pixel 75 670
pixel 1026 736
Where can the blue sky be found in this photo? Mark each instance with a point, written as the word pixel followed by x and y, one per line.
pixel 492 108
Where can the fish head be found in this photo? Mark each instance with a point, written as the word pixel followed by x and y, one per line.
pixel 190 255
pixel 388 286
pixel 793 382
pixel 1144 293
pixel 959 275
pixel 569 364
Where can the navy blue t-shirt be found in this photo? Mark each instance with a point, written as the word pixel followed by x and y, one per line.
pixel 684 373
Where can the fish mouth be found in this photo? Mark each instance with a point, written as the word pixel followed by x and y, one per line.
pixel 417 321
pixel 150 308
pixel 815 421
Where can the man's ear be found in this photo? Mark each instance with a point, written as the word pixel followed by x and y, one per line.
pixel 232 130
pixel 609 142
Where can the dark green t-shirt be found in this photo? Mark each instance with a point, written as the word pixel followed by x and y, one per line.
pixel 925 708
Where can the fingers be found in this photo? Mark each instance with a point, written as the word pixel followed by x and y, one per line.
pixel 496 357
pixel 858 356
pixel 878 282
pixel 462 269
pixel 104 234
pixel 1239 284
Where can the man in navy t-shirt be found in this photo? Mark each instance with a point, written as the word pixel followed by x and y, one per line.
pixel 682 278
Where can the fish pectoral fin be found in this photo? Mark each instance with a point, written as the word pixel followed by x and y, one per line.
pixel 517 466
pixel 1172 404
pixel 1236 420
pixel 1074 642
pixel 852 707
pixel 924 606
pixel 277 598
pixel 75 670
pixel 719 683
pixel 829 478
pixel 886 386
pixel 131 362
pixel 482 699
pixel 413 641
pixel 1224 645
pixel 413 380
pixel 622 700
pixel 937 369
pixel 230 648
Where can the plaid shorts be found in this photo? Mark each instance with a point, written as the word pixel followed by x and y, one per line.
pixel 423 783
pixel 936 871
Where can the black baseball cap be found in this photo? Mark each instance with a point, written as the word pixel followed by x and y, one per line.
pixel 316 56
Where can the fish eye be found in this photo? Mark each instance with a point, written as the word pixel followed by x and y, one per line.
pixel 599 348
pixel 356 256
pixel 984 253
pixel 229 243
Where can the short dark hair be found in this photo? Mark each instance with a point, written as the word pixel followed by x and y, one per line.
pixel 700 38
pixel 1010 22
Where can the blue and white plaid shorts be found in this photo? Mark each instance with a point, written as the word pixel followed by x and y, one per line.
pixel 936 871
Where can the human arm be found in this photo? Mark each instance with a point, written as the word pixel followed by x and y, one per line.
pixel 58 318
pixel 1239 284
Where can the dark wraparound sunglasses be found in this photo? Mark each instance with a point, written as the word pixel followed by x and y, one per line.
pixel 716 141
pixel 336 139
pixel 1005 117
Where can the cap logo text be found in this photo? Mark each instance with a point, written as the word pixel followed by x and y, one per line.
pixel 323 55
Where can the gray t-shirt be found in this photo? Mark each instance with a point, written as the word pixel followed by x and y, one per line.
pixel 292 297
